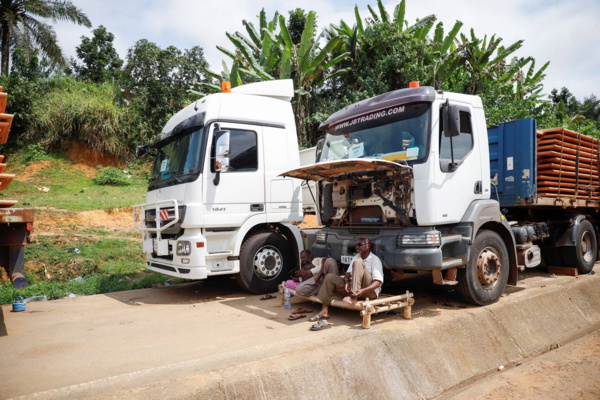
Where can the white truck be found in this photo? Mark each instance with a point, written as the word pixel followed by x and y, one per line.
pixel 415 170
pixel 216 204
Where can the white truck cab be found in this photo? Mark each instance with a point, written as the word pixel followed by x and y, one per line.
pixel 216 204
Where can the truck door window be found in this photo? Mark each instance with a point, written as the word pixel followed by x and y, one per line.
pixel 243 150
pixel 462 144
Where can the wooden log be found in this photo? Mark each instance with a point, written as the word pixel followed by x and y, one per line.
pixel 563 271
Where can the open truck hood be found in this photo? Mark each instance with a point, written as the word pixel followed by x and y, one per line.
pixel 332 169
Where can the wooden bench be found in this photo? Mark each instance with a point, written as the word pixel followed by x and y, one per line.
pixel 383 303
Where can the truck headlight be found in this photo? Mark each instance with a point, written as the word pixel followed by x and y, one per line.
pixel 184 248
pixel 321 237
pixel 420 239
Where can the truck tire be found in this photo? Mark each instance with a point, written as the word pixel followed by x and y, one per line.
pixel 265 261
pixel 583 255
pixel 484 278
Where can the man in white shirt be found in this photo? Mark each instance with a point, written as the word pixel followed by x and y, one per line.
pixel 362 280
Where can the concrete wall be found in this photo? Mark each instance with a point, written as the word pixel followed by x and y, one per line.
pixel 417 359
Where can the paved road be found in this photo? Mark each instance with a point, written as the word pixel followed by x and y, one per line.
pixel 118 342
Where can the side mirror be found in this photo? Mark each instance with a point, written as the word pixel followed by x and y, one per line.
pixel 140 151
pixel 222 150
pixel 222 147
pixel 451 120
pixel 319 150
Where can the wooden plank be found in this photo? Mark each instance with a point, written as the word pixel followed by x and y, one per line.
pixel 3 99
pixel 2 167
pixel 556 178
pixel 583 158
pixel 569 139
pixel 5 124
pixel 559 167
pixel 589 165
pixel 569 185
pixel 7 203
pixel 568 174
pixel 557 145
pixel 5 180
pixel 563 271
pixel 566 133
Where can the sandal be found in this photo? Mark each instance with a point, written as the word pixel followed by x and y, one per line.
pixel 320 326
pixel 267 297
pixel 302 311
pixel 295 316
pixel 318 317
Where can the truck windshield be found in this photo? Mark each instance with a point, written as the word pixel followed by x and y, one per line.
pixel 399 133
pixel 178 156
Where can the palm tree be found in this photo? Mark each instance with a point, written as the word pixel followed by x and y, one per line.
pixel 20 28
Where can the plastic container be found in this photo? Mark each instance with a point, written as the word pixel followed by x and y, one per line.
pixel 18 304
pixel 287 303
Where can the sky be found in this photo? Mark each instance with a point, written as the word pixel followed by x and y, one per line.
pixel 564 32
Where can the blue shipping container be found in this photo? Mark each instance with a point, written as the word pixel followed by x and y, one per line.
pixel 513 149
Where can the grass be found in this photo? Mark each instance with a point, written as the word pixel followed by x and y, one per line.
pixel 69 188
pixel 102 260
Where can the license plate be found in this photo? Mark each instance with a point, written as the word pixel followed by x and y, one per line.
pixel 347 259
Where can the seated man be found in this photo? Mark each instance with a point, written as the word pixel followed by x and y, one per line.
pixel 312 281
pixel 363 280
pixel 305 271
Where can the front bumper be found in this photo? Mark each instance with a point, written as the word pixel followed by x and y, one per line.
pixel 452 250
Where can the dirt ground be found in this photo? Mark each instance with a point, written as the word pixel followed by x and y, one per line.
pixel 569 372
pixel 51 222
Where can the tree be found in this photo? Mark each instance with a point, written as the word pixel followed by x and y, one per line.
pixel 100 59
pixel 159 80
pixel 296 24
pixel 567 111
pixel 274 55
pixel 19 27
pixel 26 84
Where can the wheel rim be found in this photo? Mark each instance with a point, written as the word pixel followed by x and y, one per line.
pixel 488 268
pixel 268 262
pixel 587 246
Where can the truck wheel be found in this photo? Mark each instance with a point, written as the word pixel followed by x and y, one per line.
pixel 484 278
pixel 583 255
pixel 265 261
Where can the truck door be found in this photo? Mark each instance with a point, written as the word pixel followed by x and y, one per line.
pixel 459 183
pixel 239 192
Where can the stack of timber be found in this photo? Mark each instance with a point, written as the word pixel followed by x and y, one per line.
pixel 5 124
pixel 567 165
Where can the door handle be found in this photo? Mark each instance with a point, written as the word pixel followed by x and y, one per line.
pixel 257 207
pixel 478 187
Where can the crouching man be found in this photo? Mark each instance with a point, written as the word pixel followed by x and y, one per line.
pixel 362 280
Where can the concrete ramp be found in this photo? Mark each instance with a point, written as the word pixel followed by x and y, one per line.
pixel 236 347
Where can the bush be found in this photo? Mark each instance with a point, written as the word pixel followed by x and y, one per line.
pixel 111 176
pixel 82 112
pixel 35 152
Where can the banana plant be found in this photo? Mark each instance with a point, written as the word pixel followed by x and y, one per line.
pixel 269 53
